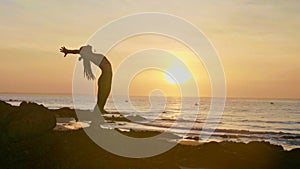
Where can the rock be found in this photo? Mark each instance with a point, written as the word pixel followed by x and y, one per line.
pixel 136 118
pixel 4 106
pixel 65 112
pixel 30 119
pixel 196 138
pixel 5 112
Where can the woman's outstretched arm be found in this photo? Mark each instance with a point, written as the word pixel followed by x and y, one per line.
pixel 67 51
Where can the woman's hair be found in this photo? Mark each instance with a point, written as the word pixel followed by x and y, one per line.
pixel 88 73
pixel 85 52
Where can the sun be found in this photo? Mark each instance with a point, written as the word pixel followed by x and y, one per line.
pixel 178 73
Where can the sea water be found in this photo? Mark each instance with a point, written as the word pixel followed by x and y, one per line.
pixel 243 120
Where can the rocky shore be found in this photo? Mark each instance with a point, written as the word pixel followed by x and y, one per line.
pixel 29 141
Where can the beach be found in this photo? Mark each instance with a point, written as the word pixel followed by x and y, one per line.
pixel 243 119
pixel 48 148
pixel 150 84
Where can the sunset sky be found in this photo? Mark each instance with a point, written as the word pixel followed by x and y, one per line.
pixel 258 43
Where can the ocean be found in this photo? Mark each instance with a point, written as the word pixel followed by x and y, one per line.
pixel 243 120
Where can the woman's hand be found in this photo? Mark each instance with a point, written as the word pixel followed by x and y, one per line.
pixel 64 50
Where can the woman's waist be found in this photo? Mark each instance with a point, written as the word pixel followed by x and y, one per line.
pixel 105 65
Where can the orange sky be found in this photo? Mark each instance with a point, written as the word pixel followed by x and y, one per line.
pixel 258 44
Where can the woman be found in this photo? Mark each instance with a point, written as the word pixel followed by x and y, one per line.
pixel 104 81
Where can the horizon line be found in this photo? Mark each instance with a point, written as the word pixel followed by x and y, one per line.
pixel 230 97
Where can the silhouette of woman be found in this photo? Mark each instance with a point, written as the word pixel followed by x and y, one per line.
pixel 104 81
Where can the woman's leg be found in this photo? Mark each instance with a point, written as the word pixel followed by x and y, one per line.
pixel 104 84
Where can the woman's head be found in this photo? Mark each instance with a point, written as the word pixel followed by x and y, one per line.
pixel 85 52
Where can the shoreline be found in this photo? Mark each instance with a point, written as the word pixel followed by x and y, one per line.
pixel 29 141
pixel 117 117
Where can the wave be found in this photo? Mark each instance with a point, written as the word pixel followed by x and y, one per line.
pixel 220 130
pixel 271 121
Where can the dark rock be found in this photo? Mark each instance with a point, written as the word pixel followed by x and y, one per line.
pixel 136 118
pixel 70 149
pixel 65 112
pixel 5 112
pixel 196 138
pixel 28 120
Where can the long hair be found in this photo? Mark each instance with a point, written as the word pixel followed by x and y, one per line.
pixel 85 53
pixel 88 73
